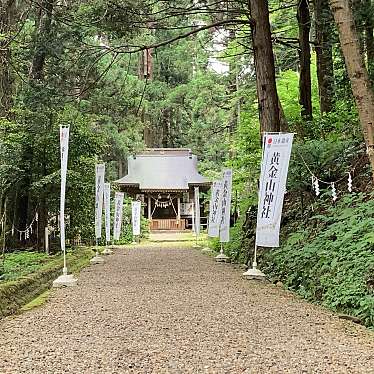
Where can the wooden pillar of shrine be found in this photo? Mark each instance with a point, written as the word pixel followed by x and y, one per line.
pixel 149 207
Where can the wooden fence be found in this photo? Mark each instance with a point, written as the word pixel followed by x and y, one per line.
pixel 168 224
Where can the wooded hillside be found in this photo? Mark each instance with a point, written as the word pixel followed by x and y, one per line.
pixel 210 75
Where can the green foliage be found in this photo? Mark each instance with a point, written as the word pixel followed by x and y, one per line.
pixel 20 263
pixel 92 81
pixel 288 91
pixel 332 262
pixel 330 161
pixel 25 287
pixel 126 236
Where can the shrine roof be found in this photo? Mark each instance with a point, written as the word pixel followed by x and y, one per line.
pixel 163 169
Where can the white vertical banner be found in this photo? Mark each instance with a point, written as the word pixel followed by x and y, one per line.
pixel 64 148
pixel 197 211
pixel 215 209
pixel 107 211
pixel 118 212
pixel 274 168
pixel 99 196
pixel 136 208
pixel 224 232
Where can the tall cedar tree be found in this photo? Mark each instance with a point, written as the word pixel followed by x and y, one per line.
pixel 7 8
pixel 323 48
pixel 358 75
pixel 305 82
pixel 268 103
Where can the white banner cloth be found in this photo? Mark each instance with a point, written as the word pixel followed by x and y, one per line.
pixel 136 208
pixel 197 211
pixel 274 168
pixel 99 197
pixel 215 209
pixel 224 232
pixel 118 212
pixel 107 211
pixel 64 149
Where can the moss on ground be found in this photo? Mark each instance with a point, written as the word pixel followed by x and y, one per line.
pixel 19 292
pixel 38 301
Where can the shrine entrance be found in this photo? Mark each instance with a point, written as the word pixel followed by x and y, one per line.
pixel 164 211
pixel 163 179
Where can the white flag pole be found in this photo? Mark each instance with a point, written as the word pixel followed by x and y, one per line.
pixel 215 209
pixel 274 168
pixel 64 139
pixel 65 279
pixel 99 197
pixel 197 216
pixel 118 212
pixel 107 250
pixel 135 210
pixel 225 207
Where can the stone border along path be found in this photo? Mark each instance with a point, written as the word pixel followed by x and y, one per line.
pixel 170 310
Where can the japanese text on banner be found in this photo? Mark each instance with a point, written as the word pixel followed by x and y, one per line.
pixel 136 208
pixel 107 211
pixel 215 209
pixel 197 211
pixel 274 169
pixel 118 212
pixel 100 174
pixel 224 233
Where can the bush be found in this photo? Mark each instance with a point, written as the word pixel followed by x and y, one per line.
pixel 332 261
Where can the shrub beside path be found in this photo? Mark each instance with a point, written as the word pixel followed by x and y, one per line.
pixel 170 310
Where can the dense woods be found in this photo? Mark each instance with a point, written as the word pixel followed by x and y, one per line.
pixel 210 75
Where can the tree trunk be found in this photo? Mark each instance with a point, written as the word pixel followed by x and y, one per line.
pixel 6 15
pixel 358 75
pixel 165 127
pixel 369 39
pixel 264 65
pixel 283 119
pixel 323 48
pixel 41 39
pixel 356 6
pixel 305 82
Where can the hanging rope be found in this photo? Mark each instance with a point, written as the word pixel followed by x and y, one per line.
pixel 316 180
pixel 163 204
pixel 28 229
pixel 325 182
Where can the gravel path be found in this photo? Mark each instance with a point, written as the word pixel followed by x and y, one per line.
pixel 176 311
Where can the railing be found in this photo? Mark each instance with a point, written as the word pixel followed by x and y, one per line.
pixel 168 224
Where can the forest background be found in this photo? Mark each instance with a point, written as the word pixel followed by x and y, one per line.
pixel 210 76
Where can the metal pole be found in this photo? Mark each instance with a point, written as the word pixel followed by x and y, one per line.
pixel 4 228
pixel 64 269
pixel 254 265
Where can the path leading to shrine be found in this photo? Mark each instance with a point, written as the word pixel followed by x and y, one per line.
pixel 169 310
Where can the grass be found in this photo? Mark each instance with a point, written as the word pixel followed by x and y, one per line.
pixel 165 244
pixel 22 263
pixel 36 278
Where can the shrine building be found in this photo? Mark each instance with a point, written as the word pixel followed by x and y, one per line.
pixel 163 179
